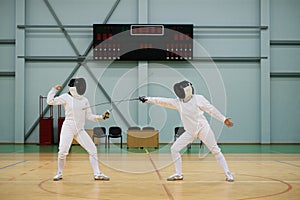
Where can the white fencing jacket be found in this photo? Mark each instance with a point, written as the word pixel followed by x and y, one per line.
pixel 74 108
pixel 191 112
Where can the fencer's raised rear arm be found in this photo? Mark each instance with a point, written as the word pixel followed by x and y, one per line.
pixel 207 107
pixel 165 102
pixel 51 100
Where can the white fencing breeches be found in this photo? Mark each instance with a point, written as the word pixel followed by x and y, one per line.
pixel 206 135
pixel 68 133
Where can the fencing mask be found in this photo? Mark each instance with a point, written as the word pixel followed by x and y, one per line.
pixel 184 90
pixel 77 86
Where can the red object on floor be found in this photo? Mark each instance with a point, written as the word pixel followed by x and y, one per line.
pixel 46 125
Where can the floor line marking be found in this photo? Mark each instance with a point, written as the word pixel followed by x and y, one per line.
pixel 290 164
pixel 289 187
pixel 160 177
pixel 11 165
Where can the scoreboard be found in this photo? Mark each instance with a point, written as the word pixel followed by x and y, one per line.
pixel 143 42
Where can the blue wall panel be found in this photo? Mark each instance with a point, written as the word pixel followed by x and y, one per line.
pixel 7 19
pixel 285 99
pixel 7 88
pixel 7 58
pixel 284 19
pixel 241 79
pixel 205 12
pixel 285 58
pixel 285 112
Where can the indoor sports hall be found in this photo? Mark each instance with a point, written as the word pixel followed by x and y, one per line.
pixel 150 99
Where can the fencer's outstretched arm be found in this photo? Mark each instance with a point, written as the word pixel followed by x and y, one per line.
pixel 51 100
pixel 207 107
pixel 165 102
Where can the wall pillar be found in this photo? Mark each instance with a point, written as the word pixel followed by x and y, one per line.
pixel 20 74
pixel 265 72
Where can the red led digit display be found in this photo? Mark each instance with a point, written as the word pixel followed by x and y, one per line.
pixel 143 42
pixel 144 30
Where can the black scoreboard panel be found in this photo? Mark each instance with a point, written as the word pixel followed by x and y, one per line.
pixel 143 42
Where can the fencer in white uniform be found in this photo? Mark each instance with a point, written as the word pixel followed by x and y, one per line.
pixel 77 109
pixel 191 108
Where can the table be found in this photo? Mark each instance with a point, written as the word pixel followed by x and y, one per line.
pixel 142 138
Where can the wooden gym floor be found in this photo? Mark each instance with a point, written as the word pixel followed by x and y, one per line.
pixel 260 171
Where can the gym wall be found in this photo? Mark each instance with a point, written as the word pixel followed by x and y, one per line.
pixel 255 45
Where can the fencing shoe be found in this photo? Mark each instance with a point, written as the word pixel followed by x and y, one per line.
pixel 229 177
pixel 101 177
pixel 57 177
pixel 175 177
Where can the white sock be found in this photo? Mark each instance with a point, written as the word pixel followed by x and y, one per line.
pixel 177 162
pixel 221 160
pixel 60 165
pixel 94 163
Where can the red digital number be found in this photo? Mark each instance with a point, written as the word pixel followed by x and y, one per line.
pixel 98 36
pixel 159 30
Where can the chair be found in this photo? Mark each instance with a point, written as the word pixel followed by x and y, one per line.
pixel 100 132
pixel 178 132
pixel 115 132
pixel 148 128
